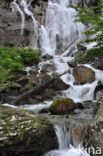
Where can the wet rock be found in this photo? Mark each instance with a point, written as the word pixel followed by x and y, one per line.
pixel 48 93
pixel 39 8
pixel 24 133
pixel 59 85
pixel 72 64
pixel 98 90
pixel 78 133
pixel 83 75
pixel 33 71
pixel 48 68
pixel 47 57
pixel 62 106
pixel 88 104
pixel 98 63
pixel 81 47
pixel 10 24
pixel 94 133
pixel 44 110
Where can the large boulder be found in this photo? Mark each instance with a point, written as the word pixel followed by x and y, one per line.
pixel 93 139
pixel 22 133
pixel 62 106
pixel 83 75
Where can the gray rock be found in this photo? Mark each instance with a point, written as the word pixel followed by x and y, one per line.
pixel 28 134
pixel 47 57
pixel 94 133
pixel 80 77
pixel 81 47
pixel 72 64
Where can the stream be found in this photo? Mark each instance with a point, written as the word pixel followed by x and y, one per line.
pixel 52 36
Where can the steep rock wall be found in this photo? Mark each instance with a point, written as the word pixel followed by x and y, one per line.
pixel 10 24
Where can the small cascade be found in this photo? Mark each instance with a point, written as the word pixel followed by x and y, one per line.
pixel 15 7
pixel 65 137
pixel 22 6
pixel 67 143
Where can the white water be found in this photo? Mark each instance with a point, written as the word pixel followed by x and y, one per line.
pixel 15 7
pixel 67 144
pixel 65 137
pixel 57 33
pixel 59 26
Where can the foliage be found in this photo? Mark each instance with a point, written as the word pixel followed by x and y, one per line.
pixel 13 60
pixel 89 54
pixel 93 19
pixel 29 56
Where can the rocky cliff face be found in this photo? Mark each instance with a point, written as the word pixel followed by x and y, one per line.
pixel 93 139
pixel 10 24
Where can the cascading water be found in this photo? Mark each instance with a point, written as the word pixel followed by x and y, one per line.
pixel 60 28
pixel 16 7
pixel 57 33
pixel 65 137
pixel 67 144
pixel 52 37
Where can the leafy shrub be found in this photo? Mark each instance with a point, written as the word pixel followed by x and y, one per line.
pixel 89 54
pixel 13 60
pixel 93 18
pixel 29 56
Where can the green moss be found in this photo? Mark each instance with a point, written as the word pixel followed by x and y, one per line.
pixel 3 116
pixel 23 123
pixel 58 101
pixel 89 54
pixel 25 110
pixel 38 122
pixel 2 145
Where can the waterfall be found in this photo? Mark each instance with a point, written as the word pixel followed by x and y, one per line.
pixel 22 6
pixel 65 137
pixel 67 143
pixel 52 37
pixel 16 7
pixel 60 28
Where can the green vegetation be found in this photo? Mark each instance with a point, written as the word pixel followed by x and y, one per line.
pixel 13 60
pixel 89 55
pixel 93 19
pixel 60 101
pixel 2 145
pixel 3 116
pixel 38 122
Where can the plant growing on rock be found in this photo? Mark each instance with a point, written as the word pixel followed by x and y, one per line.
pixel 93 18
pixel 13 60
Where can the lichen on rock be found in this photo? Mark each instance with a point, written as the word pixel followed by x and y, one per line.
pixel 23 133
pixel 62 106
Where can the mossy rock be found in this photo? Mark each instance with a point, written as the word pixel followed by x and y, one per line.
pixel 62 106
pixel 23 133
